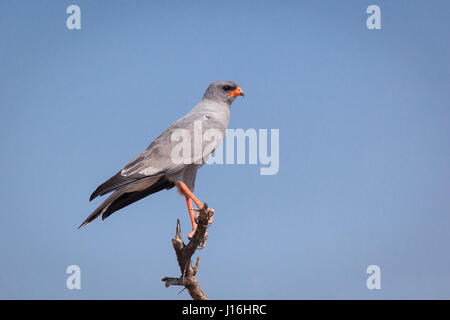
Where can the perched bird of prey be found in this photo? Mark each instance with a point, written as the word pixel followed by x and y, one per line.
pixel 155 169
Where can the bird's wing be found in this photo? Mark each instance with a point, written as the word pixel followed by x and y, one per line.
pixel 163 155
pixel 117 181
pixel 158 160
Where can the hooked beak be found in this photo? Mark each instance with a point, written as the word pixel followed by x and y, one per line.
pixel 236 92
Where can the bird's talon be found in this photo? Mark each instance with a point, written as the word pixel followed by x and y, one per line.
pixel 199 208
pixel 202 244
pixel 191 234
pixel 211 216
pixel 196 215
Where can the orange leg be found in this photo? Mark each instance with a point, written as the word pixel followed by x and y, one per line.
pixel 191 215
pixel 189 194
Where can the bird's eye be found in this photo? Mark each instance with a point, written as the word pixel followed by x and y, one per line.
pixel 226 88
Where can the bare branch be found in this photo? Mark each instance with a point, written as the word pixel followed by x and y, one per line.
pixel 184 254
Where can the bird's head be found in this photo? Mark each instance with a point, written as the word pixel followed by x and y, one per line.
pixel 223 91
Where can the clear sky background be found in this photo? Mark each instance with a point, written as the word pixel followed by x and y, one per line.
pixel 364 119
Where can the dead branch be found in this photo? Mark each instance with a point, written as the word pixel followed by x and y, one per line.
pixel 184 254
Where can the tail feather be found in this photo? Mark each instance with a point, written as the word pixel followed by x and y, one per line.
pixel 102 208
pixel 124 197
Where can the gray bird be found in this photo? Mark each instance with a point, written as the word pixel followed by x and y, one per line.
pixel 174 157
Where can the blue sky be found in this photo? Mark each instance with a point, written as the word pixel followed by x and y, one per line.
pixel 364 124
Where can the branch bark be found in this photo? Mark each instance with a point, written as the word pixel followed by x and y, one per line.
pixel 184 254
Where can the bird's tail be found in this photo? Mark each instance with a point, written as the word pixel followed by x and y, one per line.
pixel 102 208
pixel 125 196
